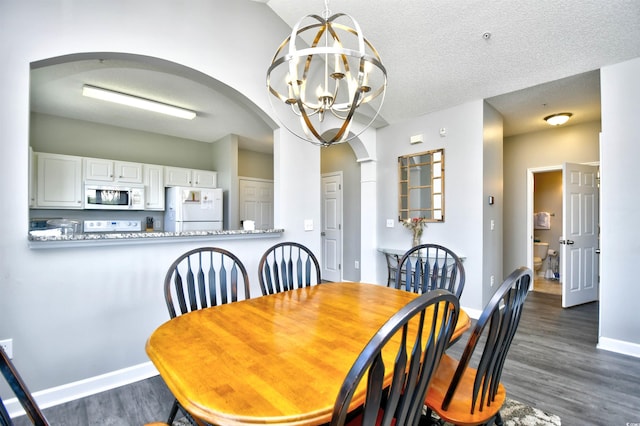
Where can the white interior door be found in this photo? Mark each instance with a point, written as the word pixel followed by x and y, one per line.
pixel 332 227
pixel 580 231
pixel 256 202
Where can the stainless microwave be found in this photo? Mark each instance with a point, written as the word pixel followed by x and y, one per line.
pixel 113 197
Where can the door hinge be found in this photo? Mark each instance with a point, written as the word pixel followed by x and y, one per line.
pixel 339 266
pixel 340 226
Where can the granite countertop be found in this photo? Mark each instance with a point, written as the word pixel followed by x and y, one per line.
pixel 100 238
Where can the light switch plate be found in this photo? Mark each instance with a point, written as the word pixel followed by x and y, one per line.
pixel 390 223
pixel 308 225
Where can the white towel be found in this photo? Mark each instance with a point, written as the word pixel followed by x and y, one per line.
pixel 542 220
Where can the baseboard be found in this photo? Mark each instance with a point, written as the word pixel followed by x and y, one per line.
pixel 619 346
pixel 91 386
pixel 473 313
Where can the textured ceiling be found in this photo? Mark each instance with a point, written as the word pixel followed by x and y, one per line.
pixel 541 57
pixel 437 57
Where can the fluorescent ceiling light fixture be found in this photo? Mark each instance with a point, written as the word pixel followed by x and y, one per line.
pixel 558 119
pixel 136 102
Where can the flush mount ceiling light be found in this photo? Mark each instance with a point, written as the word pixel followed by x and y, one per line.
pixel 136 102
pixel 334 75
pixel 558 119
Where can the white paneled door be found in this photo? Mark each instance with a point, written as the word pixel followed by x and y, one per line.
pixel 580 232
pixel 256 202
pixel 332 227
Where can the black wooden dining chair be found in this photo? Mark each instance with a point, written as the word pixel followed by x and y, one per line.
pixel 462 394
pixel 421 329
pixel 204 277
pixel 21 391
pixel 287 266
pixel 200 278
pixel 428 267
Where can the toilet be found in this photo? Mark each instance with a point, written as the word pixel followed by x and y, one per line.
pixel 540 251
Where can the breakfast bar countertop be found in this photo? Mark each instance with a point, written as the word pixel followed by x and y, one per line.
pixel 110 238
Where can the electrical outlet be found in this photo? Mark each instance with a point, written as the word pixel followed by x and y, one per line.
pixel 7 345
pixel 357 264
pixel 390 223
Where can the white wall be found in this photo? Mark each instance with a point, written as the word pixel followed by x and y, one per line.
pixel 463 150
pixel 75 314
pixel 620 246
pixel 576 144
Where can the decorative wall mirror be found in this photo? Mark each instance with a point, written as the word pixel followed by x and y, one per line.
pixel 421 192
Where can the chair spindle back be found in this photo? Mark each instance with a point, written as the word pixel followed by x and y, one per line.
pixel 204 277
pixel 428 267
pixel 287 266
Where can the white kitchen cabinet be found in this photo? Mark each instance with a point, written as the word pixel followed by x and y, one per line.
pixel 127 172
pixel 204 178
pixel 153 186
pixel 98 169
pixel 178 176
pixel 59 181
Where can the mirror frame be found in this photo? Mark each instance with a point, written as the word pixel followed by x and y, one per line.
pixel 414 184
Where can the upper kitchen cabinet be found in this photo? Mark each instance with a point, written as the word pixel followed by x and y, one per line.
pixel 98 169
pixel 59 181
pixel 204 178
pixel 154 186
pixel 178 176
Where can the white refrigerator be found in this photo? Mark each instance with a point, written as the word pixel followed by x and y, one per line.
pixel 193 209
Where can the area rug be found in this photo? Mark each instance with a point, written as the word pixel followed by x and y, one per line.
pixel 513 413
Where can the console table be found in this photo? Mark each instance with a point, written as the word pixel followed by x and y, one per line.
pixel 393 257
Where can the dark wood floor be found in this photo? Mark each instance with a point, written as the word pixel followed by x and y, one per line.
pixel 553 365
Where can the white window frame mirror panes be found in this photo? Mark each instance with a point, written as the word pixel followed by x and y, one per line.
pixel 421 186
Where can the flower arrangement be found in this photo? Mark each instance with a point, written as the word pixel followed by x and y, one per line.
pixel 416 224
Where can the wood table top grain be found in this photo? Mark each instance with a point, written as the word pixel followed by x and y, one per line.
pixel 277 359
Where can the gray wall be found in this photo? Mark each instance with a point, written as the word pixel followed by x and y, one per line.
pixel 255 164
pixel 492 164
pixel 341 158
pixel 75 137
pixel 225 161
pixel 549 148
pixel 462 229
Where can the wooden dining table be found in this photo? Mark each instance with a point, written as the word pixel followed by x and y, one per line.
pixel 278 359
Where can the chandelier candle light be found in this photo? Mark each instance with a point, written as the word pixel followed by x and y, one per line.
pixel 416 225
pixel 334 75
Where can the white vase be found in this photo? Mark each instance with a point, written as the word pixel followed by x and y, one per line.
pixel 416 239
